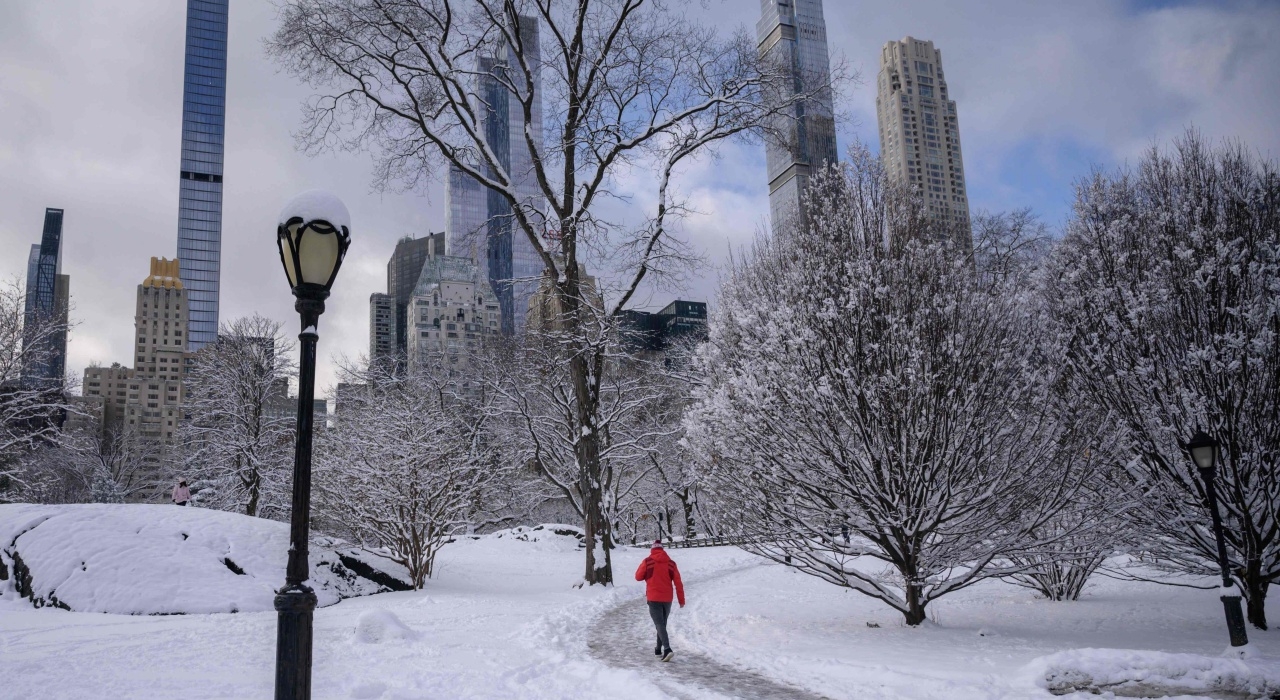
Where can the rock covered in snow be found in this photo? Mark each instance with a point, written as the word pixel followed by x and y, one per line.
pixel 153 559
pixel 317 204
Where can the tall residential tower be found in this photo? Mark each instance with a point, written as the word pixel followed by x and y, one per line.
pixel 47 302
pixel 794 33
pixel 479 221
pixel 920 133
pixel 204 98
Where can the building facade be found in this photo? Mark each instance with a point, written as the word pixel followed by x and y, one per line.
pixel 453 310
pixel 546 311
pixel 204 97
pixel 145 402
pixel 794 34
pixel 382 327
pixel 920 131
pixel 479 221
pixel 48 298
pixel 652 333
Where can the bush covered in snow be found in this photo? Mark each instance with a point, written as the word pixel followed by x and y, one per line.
pixel 149 559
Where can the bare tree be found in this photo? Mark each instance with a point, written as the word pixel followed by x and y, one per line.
pixel 868 397
pixel 239 427
pixel 410 465
pixel 626 85
pixel 1166 292
pixel 31 413
pixel 1009 245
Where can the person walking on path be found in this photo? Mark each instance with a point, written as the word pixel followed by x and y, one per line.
pixel 181 494
pixel 660 573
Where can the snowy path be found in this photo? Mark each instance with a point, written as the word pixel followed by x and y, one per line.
pixel 623 638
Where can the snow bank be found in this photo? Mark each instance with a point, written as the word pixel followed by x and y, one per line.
pixel 382 625
pixel 553 537
pixel 1135 673
pixel 153 559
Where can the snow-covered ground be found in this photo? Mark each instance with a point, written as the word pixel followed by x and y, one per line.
pixel 502 619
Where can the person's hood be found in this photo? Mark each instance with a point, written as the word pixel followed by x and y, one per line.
pixel 659 554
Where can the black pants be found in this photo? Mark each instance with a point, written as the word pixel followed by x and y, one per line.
pixel 181 504
pixel 660 612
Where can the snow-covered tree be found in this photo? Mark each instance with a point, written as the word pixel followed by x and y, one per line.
pixel 870 400
pixel 544 428
pixel 623 87
pixel 410 465
pixel 1166 292
pixel 238 432
pixel 30 412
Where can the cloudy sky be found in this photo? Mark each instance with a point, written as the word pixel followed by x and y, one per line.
pixel 90 112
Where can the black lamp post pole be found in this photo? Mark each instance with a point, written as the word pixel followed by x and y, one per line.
pixel 296 602
pixel 1230 601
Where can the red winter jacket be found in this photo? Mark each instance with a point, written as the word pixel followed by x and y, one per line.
pixel 660 571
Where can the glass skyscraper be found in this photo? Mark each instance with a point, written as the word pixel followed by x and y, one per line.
pixel 204 97
pixel 48 298
pixel 794 33
pixel 479 223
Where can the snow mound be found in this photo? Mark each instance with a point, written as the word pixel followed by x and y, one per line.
pixel 552 536
pixel 381 625
pixel 1133 673
pixel 317 204
pixel 153 559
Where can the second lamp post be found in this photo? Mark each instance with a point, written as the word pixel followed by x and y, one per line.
pixel 1204 452
pixel 313 235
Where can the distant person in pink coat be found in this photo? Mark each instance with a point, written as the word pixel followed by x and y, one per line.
pixel 181 494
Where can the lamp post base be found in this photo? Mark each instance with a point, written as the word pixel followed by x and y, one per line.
pixel 1235 620
pixel 296 604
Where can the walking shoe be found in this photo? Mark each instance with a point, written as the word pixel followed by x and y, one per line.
pixel 657 651
pixel 667 656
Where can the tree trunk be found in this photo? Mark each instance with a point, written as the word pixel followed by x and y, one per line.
pixel 1255 595
pixel 689 529
pixel 915 609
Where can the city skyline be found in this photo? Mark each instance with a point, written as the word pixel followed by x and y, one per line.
pixel 1081 92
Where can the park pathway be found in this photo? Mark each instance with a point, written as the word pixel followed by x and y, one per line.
pixel 623 638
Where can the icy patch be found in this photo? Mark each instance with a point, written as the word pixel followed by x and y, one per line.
pixel 1130 673
pixel 381 625
pixel 317 204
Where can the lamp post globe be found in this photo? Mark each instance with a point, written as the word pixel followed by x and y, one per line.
pixel 312 234
pixel 1203 449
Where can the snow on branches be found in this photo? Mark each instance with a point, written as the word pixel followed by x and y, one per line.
pixel 409 463
pixel 876 415
pixel 237 437
pixel 1166 295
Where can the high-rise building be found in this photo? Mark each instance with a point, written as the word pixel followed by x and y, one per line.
pixel 382 327
pixel 794 33
pixel 47 302
pixel 145 402
pixel 920 131
pixel 453 309
pixel 479 221
pixel 403 271
pixel 545 309
pixel 204 97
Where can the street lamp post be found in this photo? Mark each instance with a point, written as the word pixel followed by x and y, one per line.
pixel 1204 452
pixel 313 235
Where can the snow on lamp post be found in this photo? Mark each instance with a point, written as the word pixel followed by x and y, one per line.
pixel 1204 452
pixel 313 235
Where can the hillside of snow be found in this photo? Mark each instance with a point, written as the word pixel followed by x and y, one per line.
pixel 502 618
pixel 154 559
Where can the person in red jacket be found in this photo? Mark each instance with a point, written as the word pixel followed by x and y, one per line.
pixel 660 573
